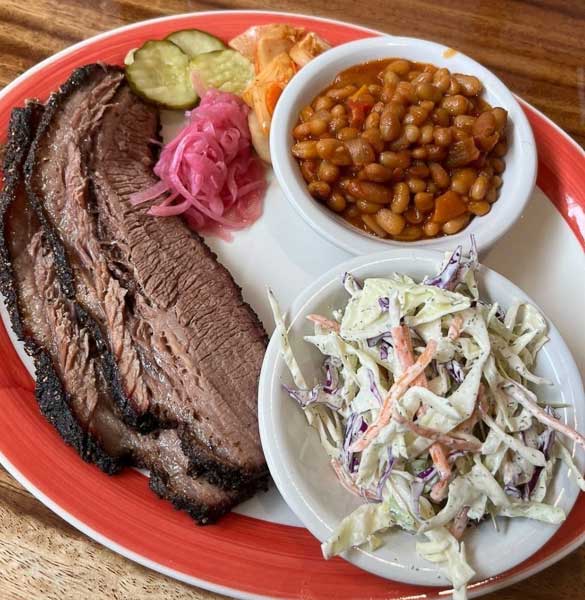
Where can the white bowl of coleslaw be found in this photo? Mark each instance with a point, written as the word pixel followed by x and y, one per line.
pixel 300 458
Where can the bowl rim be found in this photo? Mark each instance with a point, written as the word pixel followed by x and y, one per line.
pixel 272 439
pixel 519 182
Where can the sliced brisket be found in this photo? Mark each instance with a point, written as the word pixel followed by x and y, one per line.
pixel 73 387
pixel 183 346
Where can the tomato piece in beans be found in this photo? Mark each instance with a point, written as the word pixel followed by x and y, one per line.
pixel 402 150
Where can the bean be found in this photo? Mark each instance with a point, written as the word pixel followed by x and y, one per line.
pixel 417 115
pixel 412 133
pixel 464 122
pixel 323 114
pixel 388 92
pixel 372 120
pixel 395 160
pixel 373 226
pixel 337 202
pixel 306 113
pixel 341 157
pixel 396 108
pixel 323 102
pixel 320 189
pixel 305 150
pixel 412 75
pixel 431 229
pixel 374 137
pixel 419 171
pixel 326 148
pixel 405 93
pixel 365 190
pixel 454 87
pixel 442 136
pixel 416 185
pixel 390 78
pixel 341 93
pixel 455 105
pixel 479 188
pixel 400 198
pixel 427 91
pixel 501 116
pixel 314 127
pixel 498 165
pixel 400 67
pixel 419 153
pixel 440 116
pixel 400 144
pixel 309 169
pixel 426 133
pixel 390 222
pixel 366 207
pixel 442 79
pixel 440 177
pixel 436 153
pixel 414 216
pixel 470 85
pixel 459 134
pixel 500 149
pixel 337 124
pixel 378 107
pixel 424 201
pixel 410 233
pixel 361 151
pixel 492 195
pixel 347 133
pixel 398 174
pixel 479 208
pixel 432 187
pixel 497 181
pixel 455 225
pixel 423 77
pixel 352 212
pixel 328 172
pixel 375 89
pixel 338 111
pixel 462 180
pixel 376 172
pixel 390 126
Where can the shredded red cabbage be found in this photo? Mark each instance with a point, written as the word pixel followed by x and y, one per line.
pixel 209 173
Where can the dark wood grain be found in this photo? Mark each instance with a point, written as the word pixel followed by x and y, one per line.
pixel 537 47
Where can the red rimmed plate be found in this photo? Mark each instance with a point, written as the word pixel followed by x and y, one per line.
pixel 261 555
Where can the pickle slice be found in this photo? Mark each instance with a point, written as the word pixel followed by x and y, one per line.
pixel 160 73
pixel 225 70
pixel 194 42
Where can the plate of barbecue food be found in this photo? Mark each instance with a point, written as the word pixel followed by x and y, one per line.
pixel 145 247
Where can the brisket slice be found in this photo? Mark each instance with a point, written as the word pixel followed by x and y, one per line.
pixel 22 255
pixel 72 389
pixel 189 321
pixel 184 347
pixel 57 182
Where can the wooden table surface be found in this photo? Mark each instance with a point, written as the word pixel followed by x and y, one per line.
pixel 537 47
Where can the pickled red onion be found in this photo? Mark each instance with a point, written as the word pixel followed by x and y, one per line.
pixel 209 173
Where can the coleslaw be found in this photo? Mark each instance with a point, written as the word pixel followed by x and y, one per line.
pixel 427 411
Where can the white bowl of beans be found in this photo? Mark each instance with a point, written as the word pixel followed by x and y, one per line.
pixel 394 141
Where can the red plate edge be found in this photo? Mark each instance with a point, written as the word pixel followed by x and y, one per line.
pixel 120 512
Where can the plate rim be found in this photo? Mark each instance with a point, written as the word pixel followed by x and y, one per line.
pixel 143 560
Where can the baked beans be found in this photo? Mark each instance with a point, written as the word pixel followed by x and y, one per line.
pixel 403 150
